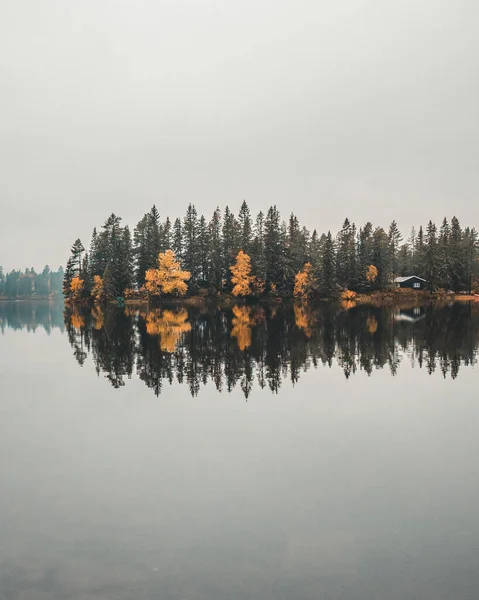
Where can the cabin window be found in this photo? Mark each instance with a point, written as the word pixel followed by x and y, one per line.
pixel 416 285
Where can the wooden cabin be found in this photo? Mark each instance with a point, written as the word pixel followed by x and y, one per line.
pixel 413 282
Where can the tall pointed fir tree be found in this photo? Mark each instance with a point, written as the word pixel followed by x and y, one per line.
pixel 177 239
pixel 328 281
pixel 215 261
pixel 245 226
pixel 190 255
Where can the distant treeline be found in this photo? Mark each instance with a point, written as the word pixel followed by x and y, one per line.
pixel 277 257
pixel 30 284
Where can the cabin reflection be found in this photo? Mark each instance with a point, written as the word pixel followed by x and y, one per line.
pixel 410 315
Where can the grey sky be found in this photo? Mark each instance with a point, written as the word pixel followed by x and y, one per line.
pixel 367 109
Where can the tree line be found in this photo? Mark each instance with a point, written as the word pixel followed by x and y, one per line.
pixel 248 256
pixel 30 284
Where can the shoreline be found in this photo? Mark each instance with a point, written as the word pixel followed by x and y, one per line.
pixel 379 298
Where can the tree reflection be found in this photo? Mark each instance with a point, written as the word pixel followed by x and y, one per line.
pixel 169 325
pixel 242 344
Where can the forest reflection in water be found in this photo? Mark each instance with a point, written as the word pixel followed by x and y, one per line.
pixel 255 345
pixel 241 344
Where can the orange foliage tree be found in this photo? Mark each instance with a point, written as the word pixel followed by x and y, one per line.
pixel 371 274
pixel 241 277
pixel 305 282
pixel 98 291
pixel 76 287
pixel 168 278
pixel 348 296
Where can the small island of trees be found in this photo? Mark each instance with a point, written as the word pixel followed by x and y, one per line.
pixel 265 256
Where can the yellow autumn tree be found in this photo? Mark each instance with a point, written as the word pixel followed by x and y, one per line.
pixel 371 274
pixel 76 287
pixel 241 277
pixel 242 323
pixel 304 282
pixel 97 290
pixel 169 325
pixel 168 278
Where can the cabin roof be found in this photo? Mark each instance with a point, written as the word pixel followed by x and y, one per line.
pixel 403 279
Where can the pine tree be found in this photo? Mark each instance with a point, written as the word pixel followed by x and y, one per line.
pixel 328 283
pixel 68 277
pixel 154 243
pixel 443 255
pixel 190 254
pixel 395 239
pixel 140 251
pixel 215 260
pixel 431 257
pixel 245 226
pixel 365 254
pixel 230 236
pixel 203 251
pixel 346 256
pixel 456 256
pixel 257 251
pixel 381 257
pixel 76 254
pixel 272 247
pixel 177 241
pixel 166 234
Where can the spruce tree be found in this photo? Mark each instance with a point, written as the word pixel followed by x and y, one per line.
pixel 431 257
pixel 245 228
pixel 272 247
pixel 190 257
pixel 395 239
pixel 215 260
pixel 328 281
pixel 177 241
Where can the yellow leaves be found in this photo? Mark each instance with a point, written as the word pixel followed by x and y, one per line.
pixel 372 274
pixel 242 324
pixel 98 292
pixel 128 293
pixel 169 325
pixel 372 324
pixel 241 277
pixel 304 318
pixel 168 278
pixel 348 299
pixel 76 287
pixel 304 282
pixel 77 320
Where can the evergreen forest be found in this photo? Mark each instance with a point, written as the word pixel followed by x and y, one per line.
pixel 30 284
pixel 243 255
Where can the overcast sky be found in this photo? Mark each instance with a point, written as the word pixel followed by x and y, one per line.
pixel 360 108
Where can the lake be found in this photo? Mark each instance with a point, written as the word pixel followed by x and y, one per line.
pixel 230 453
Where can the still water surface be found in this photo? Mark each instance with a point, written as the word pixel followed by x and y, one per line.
pixel 264 453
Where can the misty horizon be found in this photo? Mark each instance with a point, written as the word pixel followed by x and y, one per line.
pixel 362 109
